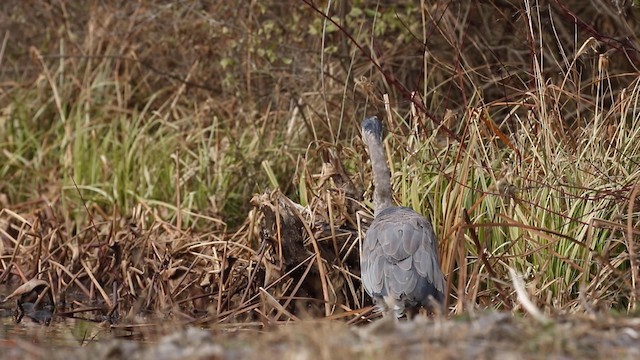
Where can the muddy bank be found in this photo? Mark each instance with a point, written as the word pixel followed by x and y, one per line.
pixel 490 336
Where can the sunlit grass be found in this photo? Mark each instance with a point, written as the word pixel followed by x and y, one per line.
pixel 536 211
pixel 100 153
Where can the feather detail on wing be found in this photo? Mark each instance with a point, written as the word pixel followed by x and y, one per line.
pixel 399 259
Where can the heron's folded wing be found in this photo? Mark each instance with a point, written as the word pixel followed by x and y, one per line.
pixel 399 240
pixel 426 265
pixel 390 237
pixel 400 281
pixel 371 265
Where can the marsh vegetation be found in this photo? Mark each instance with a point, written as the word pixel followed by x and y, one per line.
pixel 199 163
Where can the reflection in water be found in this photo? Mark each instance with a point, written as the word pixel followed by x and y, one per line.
pixel 32 338
pixel 60 331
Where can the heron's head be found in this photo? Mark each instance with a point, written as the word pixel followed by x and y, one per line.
pixel 372 127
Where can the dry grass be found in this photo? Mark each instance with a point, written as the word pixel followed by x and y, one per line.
pixel 136 137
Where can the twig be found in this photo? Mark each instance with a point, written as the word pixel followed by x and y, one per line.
pixel 523 298
pixel 631 246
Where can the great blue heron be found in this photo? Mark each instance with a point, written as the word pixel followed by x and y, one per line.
pixel 399 261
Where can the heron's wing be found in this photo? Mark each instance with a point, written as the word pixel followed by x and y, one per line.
pixel 425 259
pixel 399 240
pixel 382 273
pixel 371 265
pixel 400 248
pixel 401 278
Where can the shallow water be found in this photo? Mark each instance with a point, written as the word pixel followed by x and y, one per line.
pixel 30 336
pixel 60 332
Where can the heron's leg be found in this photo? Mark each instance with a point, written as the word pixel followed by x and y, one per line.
pixel 435 307
pixel 411 312
pixel 390 313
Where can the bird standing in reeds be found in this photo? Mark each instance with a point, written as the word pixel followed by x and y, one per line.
pixel 399 261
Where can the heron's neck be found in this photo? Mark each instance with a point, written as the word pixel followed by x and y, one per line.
pixel 381 178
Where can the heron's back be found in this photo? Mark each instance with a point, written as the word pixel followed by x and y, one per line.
pixel 399 263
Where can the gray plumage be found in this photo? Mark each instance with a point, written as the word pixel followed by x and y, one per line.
pixel 399 261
